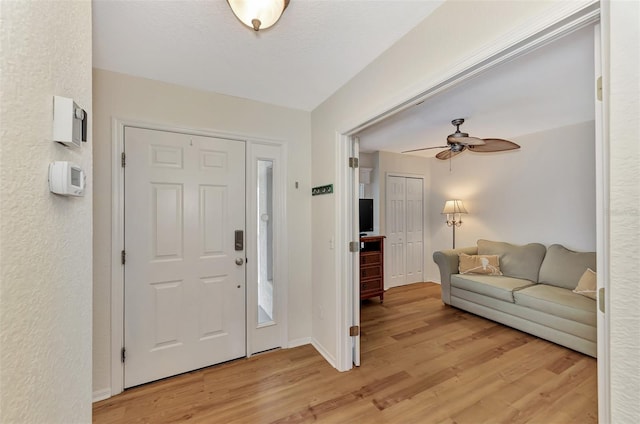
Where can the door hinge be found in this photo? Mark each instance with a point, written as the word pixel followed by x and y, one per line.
pixel 354 331
pixel 599 89
pixel 354 246
pixel 123 257
pixel 353 162
pixel 123 159
pixel 123 354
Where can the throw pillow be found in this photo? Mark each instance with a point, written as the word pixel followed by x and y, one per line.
pixel 479 264
pixel 517 261
pixel 588 285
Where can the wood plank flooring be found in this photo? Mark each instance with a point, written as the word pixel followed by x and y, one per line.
pixel 422 362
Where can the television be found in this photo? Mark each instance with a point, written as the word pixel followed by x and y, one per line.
pixel 366 215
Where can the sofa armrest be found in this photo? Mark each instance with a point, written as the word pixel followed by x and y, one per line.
pixel 447 261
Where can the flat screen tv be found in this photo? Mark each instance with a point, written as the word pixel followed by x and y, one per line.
pixel 366 215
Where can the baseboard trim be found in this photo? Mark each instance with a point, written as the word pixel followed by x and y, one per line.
pixel 103 394
pixel 325 354
pixel 298 342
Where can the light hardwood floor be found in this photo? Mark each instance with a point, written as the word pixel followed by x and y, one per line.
pixel 422 362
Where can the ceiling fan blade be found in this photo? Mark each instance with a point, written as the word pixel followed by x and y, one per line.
pixel 494 145
pixel 448 154
pixel 425 148
pixel 466 140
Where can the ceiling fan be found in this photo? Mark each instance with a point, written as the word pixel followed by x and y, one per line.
pixel 458 142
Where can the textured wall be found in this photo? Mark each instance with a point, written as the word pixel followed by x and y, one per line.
pixel 624 297
pixel 126 97
pixel 45 251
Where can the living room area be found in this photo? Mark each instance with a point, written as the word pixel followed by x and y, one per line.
pixel 543 192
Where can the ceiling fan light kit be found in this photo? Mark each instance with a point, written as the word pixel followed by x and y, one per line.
pixel 258 14
pixel 460 141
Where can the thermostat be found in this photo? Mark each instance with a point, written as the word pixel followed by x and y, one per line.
pixel 66 178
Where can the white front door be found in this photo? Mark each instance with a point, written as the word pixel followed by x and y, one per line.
pixel 184 274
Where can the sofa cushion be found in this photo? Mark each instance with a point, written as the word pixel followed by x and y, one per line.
pixel 479 264
pixel 496 286
pixel 588 284
pixel 558 302
pixel 563 267
pixel 516 261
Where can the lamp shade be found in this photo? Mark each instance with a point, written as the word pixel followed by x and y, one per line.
pixel 454 206
pixel 258 14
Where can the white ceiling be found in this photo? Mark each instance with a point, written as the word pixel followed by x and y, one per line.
pixel 319 45
pixel 550 87
pixel 315 48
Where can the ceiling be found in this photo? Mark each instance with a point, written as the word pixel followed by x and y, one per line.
pixel 315 48
pixel 550 87
pixel 319 45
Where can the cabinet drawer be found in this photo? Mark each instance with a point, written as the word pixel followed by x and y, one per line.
pixel 370 258
pixel 370 285
pixel 371 272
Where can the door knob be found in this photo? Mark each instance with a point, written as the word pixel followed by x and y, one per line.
pixel 239 261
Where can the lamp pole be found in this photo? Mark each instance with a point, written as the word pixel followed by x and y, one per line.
pixel 454 235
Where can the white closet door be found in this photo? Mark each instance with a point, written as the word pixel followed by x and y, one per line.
pixel 404 250
pixel 414 235
pixel 395 247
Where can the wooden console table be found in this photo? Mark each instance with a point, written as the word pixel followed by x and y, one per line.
pixel 372 267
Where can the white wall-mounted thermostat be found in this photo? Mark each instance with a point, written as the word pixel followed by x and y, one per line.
pixel 69 122
pixel 67 179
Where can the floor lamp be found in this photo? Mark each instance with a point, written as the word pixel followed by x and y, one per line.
pixel 454 209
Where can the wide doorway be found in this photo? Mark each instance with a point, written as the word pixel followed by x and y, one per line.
pixel 184 254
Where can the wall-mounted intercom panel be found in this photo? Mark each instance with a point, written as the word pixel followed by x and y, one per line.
pixel 69 122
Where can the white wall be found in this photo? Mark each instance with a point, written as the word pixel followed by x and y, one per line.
pixel 624 215
pixel 367 160
pixel 126 97
pixel 421 57
pixel 544 192
pixel 45 250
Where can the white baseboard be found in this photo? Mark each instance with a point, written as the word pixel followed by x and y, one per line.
pixel 325 354
pixel 299 342
pixel 103 394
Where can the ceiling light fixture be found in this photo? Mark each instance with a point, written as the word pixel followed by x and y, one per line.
pixel 258 14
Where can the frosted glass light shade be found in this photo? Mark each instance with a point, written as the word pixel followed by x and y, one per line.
pixel 258 14
pixel 454 206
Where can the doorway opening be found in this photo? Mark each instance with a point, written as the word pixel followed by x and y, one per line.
pixel 513 47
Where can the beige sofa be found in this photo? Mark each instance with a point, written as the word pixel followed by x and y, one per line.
pixel 533 295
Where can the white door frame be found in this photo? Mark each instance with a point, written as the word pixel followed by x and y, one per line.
pixel 117 232
pixel 561 19
pixel 602 230
pixel 355 263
